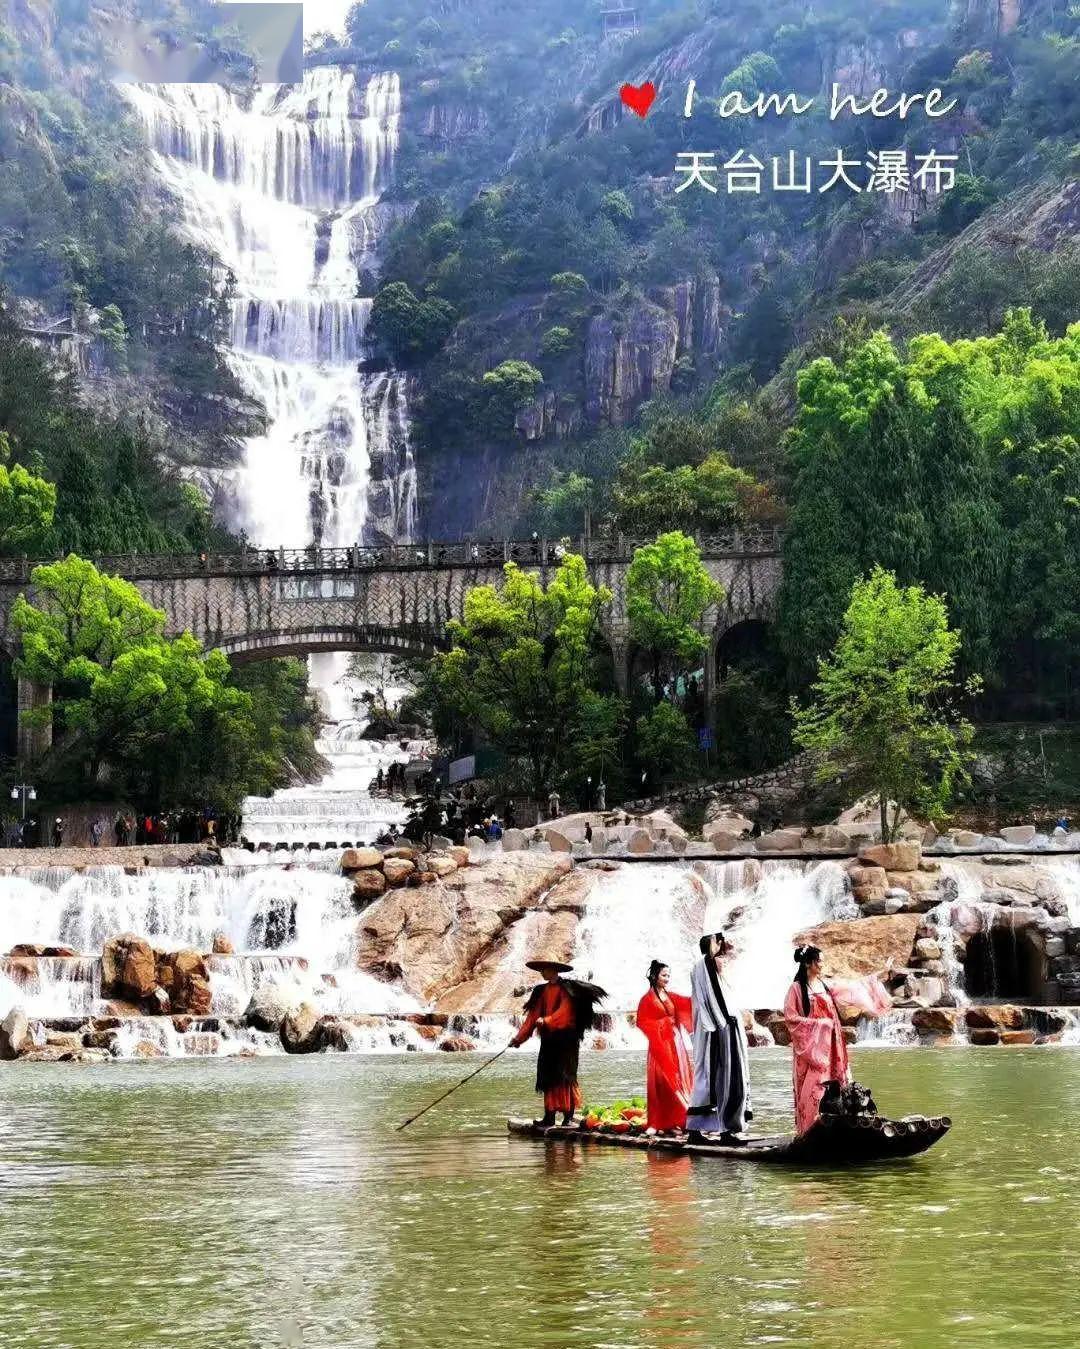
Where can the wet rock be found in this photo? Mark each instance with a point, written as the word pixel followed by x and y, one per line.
pixel 300 1030
pixel 1018 833
pixel 333 1034
pixel 221 945
pixel 398 870
pixel 913 882
pixel 367 885
pixel 49 1054
pixel 926 948
pixel 146 1049
pixel 719 841
pixel 776 1026
pixel 966 838
pixel 640 843
pixel 402 853
pixel 100 1039
pixel 1018 1037
pixel 1000 1017
pixel 185 977
pixel 984 1036
pixel 456 1044
pixel 128 967
pixel 863 946
pixel 269 1006
pixel 935 1020
pixel 359 859
pixel 160 1002
pixel 903 855
pixel 14 1034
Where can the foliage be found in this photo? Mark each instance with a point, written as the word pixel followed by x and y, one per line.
pixel 519 666
pixel 668 591
pixel 27 506
pixel 507 389
pixel 111 490
pixel 412 329
pixel 159 719
pixel 881 707
pixel 665 743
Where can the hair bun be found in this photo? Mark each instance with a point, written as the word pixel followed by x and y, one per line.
pixel 800 952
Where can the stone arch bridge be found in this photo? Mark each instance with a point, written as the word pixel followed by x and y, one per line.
pixel 259 603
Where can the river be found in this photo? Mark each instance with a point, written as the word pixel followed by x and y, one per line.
pixel 270 1202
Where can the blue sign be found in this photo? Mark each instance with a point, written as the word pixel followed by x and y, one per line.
pixel 705 737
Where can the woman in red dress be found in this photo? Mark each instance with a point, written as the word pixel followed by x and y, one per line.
pixel 662 1017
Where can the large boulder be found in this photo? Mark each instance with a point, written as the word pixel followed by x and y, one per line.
pixel 903 855
pixel 1018 833
pixel 185 977
pixel 640 843
pixel 863 946
pixel 558 841
pixel 935 1020
pixel 397 870
pixel 128 968
pixel 780 840
pixel 513 840
pixel 14 1034
pixel 1000 1017
pixel 357 859
pixel 300 1030
pixel 726 822
pixel 270 1004
pixel 441 865
pixel 367 885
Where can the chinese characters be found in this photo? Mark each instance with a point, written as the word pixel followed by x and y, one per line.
pixel 888 171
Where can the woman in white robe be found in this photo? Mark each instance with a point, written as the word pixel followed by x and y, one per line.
pixel 720 1102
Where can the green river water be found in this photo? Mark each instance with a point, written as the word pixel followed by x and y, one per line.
pixel 269 1202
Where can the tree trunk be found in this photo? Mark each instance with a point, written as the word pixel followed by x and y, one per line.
pixel 883 814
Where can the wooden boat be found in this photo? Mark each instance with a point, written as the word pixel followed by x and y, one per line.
pixel 832 1140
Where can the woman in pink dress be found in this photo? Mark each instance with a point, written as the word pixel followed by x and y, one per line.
pixel 817 1036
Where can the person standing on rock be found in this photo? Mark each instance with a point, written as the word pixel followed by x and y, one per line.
pixel 560 1011
pixel 58 833
pixel 554 805
pixel 817 1035
pixel 720 1100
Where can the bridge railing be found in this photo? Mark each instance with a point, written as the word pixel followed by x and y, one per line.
pixel 428 554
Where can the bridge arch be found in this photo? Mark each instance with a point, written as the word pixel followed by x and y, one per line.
pixel 310 640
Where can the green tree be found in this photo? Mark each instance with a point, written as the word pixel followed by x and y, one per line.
pixel 519 667
pixel 27 506
pixel 411 328
pixel 881 706
pixel 664 742
pixel 506 390
pixel 668 591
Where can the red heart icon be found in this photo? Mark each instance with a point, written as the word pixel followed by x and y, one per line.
pixel 639 98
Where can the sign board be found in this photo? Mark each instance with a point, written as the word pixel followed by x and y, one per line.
pixel 461 770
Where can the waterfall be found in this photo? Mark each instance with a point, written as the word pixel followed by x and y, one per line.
pixel 283 186
pixel 644 912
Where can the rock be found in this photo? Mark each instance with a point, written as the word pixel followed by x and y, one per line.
pixel 901 856
pixel 780 840
pixel 966 838
pixel 984 1037
pixel 935 1020
pixel 478 849
pixel 300 1030
pixel 146 1049
pixel 453 936
pixel 1018 833
pixel 928 989
pixel 558 841
pixel 160 1002
pixel 640 843
pixel 100 1039
pixel 221 945
pixel 1018 1037
pixel 14 1034
pixel 270 1004
pixel 927 949
pixel 441 866
pixel 726 821
pixel 185 977
pixel 334 1033
pixel 368 884
pixel 884 905
pixel 776 1025
pixel 128 968
pixel 397 870
pixel 829 836
pixel 581 848
pixel 862 946
pixel 914 882
pixel 456 1044
pixel 1054 946
pixel 460 855
pixel 868 878
pixel 513 840
pixel 360 859
pixel 997 1017
pixel 721 842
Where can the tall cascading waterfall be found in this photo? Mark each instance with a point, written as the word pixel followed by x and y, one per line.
pixel 285 189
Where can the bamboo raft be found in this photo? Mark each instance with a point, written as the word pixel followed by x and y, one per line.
pixel 833 1140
